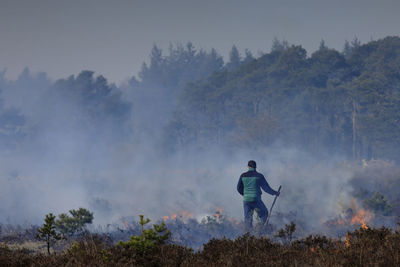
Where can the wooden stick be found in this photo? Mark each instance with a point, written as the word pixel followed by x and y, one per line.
pixel 273 203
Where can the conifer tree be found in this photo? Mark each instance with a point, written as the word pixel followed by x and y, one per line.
pixel 148 239
pixel 48 231
pixel 234 58
pixel 69 225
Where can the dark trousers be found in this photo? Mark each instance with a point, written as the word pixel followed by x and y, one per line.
pixel 250 207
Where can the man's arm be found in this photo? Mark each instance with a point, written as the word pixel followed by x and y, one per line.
pixel 265 186
pixel 240 186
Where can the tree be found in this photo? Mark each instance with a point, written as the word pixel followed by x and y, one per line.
pixel 355 43
pixel 68 225
pixel 325 64
pixel 148 239
pixel 278 46
pixel 248 56
pixel 379 204
pixel 48 232
pixel 156 58
pixel 234 58
pixel 349 47
pixel 322 45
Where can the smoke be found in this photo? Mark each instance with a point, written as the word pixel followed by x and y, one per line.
pixel 72 156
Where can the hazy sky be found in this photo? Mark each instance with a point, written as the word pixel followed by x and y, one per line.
pixel 114 37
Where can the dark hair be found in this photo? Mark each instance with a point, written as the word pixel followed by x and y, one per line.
pixel 252 164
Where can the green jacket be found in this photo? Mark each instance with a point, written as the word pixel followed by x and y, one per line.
pixel 250 184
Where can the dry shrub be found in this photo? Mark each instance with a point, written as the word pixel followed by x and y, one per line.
pixel 370 247
pixel 373 247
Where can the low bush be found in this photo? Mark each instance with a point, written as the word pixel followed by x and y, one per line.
pixel 363 247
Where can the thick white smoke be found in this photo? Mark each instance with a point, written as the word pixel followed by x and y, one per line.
pixel 65 166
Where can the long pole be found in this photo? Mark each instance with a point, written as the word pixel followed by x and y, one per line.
pixel 270 210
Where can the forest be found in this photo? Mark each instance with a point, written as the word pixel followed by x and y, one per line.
pixel 335 103
pixel 330 102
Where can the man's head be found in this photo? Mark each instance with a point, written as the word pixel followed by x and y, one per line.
pixel 252 164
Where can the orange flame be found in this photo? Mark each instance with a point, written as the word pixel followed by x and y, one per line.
pixel 218 213
pixel 183 215
pixel 360 218
pixel 347 241
pixel 354 216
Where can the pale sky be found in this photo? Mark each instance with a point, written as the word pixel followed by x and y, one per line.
pixel 114 37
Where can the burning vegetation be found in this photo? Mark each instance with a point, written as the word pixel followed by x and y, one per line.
pixel 353 216
pixel 362 233
pixel 183 215
pixel 184 239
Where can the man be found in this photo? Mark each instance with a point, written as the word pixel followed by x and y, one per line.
pixel 249 186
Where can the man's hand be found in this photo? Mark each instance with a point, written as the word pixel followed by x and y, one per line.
pixel 277 193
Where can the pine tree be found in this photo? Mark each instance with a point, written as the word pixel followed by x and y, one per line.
pixel 68 225
pixel 234 58
pixel 48 231
pixel 148 239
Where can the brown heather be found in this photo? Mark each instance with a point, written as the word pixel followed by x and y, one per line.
pixel 363 247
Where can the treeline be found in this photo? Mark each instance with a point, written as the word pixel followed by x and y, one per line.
pixel 330 102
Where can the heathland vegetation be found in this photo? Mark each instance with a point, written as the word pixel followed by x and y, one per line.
pixel 362 247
